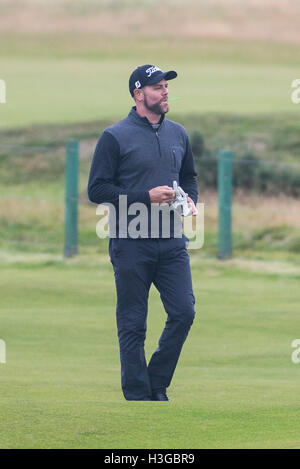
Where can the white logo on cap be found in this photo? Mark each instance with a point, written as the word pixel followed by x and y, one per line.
pixel 137 84
pixel 151 70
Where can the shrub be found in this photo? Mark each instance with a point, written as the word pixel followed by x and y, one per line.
pixel 249 171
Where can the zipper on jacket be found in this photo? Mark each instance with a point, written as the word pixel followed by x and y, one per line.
pixel 157 136
pixel 174 158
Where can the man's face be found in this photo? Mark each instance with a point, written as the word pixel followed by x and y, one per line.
pixel 156 97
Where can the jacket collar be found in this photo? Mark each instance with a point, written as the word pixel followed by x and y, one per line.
pixel 142 120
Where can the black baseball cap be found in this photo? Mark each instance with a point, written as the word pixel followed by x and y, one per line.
pixel 148 75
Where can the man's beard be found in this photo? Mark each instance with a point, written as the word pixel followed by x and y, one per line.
pixel 155 108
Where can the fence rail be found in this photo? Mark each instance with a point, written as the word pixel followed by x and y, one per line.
pixel 30 147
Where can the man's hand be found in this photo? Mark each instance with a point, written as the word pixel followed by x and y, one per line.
pixel 162 195
pixel 192 206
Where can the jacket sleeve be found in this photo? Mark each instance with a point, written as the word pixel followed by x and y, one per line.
pixel 188 174
pixel 102 184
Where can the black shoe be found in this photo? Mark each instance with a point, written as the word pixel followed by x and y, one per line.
pixel 159 396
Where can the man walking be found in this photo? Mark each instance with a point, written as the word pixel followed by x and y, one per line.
pixel 140 157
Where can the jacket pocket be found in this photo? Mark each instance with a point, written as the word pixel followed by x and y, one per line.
pixel 176 158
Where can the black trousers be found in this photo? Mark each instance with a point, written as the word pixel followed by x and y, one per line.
pixel 137 264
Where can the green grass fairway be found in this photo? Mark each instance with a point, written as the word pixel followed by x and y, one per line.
pixel 59 81
pixel 235 385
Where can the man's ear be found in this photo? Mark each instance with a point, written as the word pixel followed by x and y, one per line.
pixel 138 95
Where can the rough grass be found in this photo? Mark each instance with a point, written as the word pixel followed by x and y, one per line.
pixel 266 228
pixel 32 195
pixel 266 19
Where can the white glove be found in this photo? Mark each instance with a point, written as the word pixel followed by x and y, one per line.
pixel 180 200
